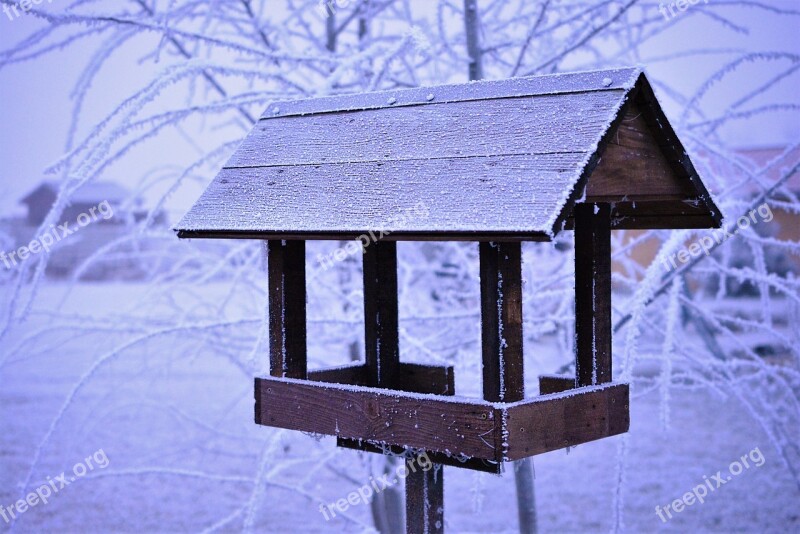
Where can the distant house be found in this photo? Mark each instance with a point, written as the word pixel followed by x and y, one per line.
pixel 786 226
pixel 40 200
pixel 109 227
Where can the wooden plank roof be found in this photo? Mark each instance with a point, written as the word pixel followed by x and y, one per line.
pixel 498 160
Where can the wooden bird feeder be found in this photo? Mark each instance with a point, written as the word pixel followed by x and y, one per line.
pixel 496 162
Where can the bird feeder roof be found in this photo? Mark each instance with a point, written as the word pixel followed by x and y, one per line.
pixel 502 160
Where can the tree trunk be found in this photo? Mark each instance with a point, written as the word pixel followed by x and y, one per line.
pixel 472 32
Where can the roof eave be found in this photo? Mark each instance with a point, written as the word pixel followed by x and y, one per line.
pixel 372 235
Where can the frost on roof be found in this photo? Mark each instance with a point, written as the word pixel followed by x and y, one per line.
pixel 571 82
pixel 501 158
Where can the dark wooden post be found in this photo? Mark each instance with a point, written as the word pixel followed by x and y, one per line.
pixel 592 294
pixel 501 321
pixel 286 270
pixel 503 369
pixel 381 338
pixel 424 499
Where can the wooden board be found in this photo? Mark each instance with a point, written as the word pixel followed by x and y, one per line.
pixel 647 214
pixel 435 423
pixel 555 384
pixel 405 199
pixel 455 426
pixel 505 161
pixel 634 166
pixel 559 421
pixel 562 83
pixel 676 154
pixel 410 377
pixel 472 129
pixel 473 464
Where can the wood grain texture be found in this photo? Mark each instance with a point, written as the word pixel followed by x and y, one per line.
pixel 355 374
pixel 634 166
pixel 286 271
pixel 555 384
pixel 647 214
pixel 451 426
pixel 512 126
pixel 573 82
pixel 436 423
pixel 501 321
pixel 556 421
pixel 495 161
pixel 421 378
pixel 414 378
pixel 592 294
pixel 517 195
pixel 473 464
pixel 677 156
pixel 409 377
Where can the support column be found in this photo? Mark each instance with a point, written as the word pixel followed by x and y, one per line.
pixel 424 499
pixel 501 321
pixel 381 337
pixel 501 340
pixel 592 294
pixel 286 271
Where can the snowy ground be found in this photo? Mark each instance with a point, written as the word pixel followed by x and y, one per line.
pixel 183 452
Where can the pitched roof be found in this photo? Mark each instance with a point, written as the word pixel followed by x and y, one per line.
pixel 489 159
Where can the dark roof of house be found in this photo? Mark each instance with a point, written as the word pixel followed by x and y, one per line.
pixel 92 192
pixel 491 159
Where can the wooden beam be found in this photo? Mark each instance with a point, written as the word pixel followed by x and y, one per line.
pixel 410 377
pixel 421 378
pixel 592 294
pixel 501 321
pixel 354 373
pixel 286 266
pixel 460 427
pixel 555 384
pixel 381 341
pixel 430 422
pixel 415 378
pixel 462 462
pixel 566 419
